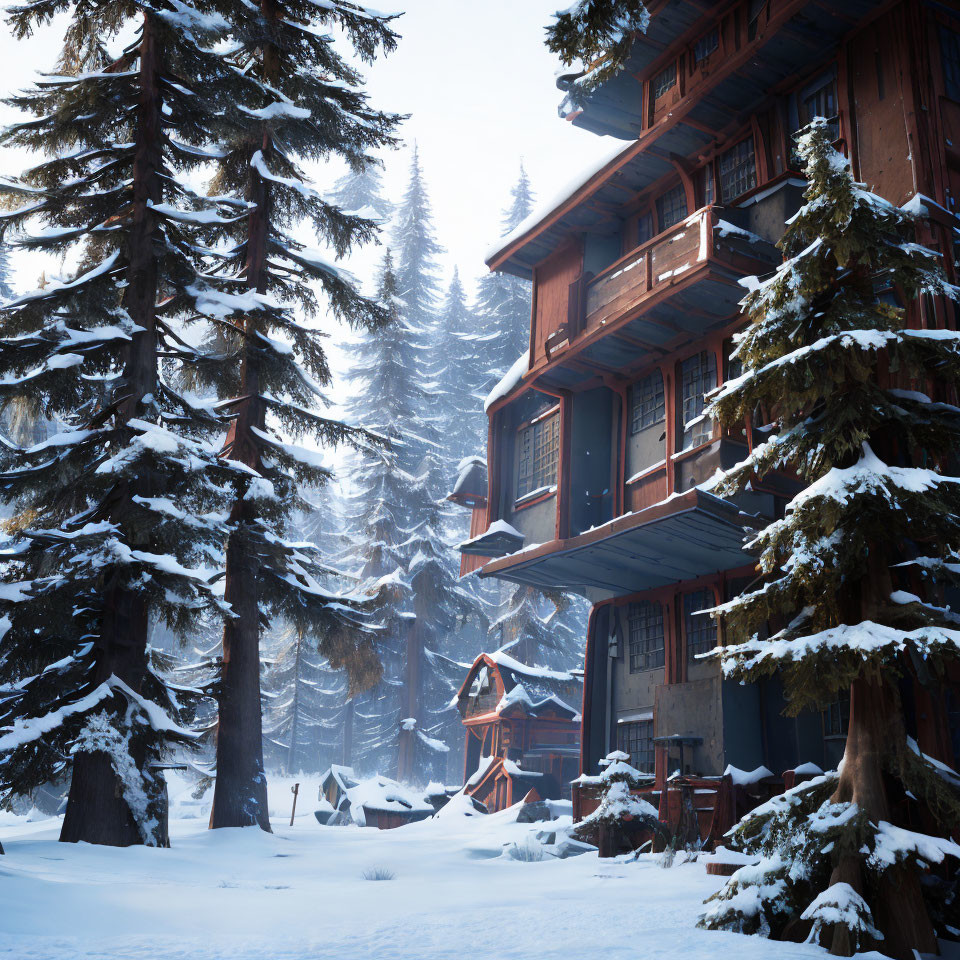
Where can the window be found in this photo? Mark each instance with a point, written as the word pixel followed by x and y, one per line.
pixel 538 453
pixel 646 636
pixel 950 57
pixel 836 717
pixel 706 45
pixel 671 207
pixel 738 170
pixel 637 740
pixel 700 629
pixel 706 185
pixel 665 80
pixel 698 376
pixel 648 402
pixel 820 100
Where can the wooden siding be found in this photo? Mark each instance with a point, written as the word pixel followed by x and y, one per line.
pixel 553 280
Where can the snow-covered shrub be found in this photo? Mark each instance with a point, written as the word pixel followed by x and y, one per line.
pixel 379 873
pixel 618 806
pixel 528 850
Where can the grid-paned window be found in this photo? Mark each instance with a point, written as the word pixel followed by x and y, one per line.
pixel 738 170
pixel 664 81
pixel 649 406
pixel 706 45
pixel 645 622
pixel 820 101
pixel 636 738
pixel 538 454
pixel 950 57
pixel 698 376
pixel 836 716
pixel 700 629
pixel 671 207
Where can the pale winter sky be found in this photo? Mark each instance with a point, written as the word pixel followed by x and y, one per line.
pixel 479 86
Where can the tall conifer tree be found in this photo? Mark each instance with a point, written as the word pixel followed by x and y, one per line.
pixel 115 515
pixel 852 392
pixel 308 106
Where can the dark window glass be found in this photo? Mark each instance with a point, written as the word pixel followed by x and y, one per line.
pixel 821 101
pixel 637 740
pixel 700 629
pixel 665 80
pixel 644 228
pixel 836 717
pixel 698 376
pixel 671 207
pixel 953 724
pixel 538 453
pixel 706 45
pixel 648 402
pixel 950 57
pixel 646 636
pixel 738 170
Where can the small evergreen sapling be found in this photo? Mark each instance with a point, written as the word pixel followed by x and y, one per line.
pixel 850 387
pixel 619 806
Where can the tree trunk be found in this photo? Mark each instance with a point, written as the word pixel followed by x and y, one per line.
pixel 899 911
pixel 240 794
pixel 294 723
pixel 96 811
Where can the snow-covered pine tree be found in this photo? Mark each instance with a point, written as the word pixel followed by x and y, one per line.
pixel 461 373
pixel 6 289
pixel 308 106
pixel 361 192
pixel 398 536
pixel 850 386
pixel 114 518
pixel 597 35
pixel 502 303
pixel 536 628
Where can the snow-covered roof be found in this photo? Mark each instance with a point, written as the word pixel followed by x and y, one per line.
pixel 471 483
pixel 535 690
pixel 383 795
pixel 508 381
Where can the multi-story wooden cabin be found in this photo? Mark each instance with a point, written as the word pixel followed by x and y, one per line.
pixel 522 730
pixel 597 443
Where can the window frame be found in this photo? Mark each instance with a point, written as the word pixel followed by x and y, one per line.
pixel 647 398
pixel 640 733
pixel 712 36
pixel 694 631
pixel 644 617
pixel 546 466
pixel 747 181
pixel 655 81
pixel 693 435
pixel 674 194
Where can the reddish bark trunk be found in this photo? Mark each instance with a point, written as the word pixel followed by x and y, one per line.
pixel 899 911
pixel 96 811
pixel 240 794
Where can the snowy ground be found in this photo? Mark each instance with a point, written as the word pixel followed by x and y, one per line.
pixel 300 894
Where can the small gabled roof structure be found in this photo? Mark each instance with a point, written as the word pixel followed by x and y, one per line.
pixel 524 691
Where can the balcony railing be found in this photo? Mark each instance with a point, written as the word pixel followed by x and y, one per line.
pixel 669 260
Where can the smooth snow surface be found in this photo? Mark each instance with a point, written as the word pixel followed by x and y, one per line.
pixel 299 894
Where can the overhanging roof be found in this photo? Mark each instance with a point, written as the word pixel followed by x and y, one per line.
pixel 687 536
pixel 800 39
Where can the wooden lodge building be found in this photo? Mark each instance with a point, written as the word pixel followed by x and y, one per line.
pixel 522 728
pixel 597 444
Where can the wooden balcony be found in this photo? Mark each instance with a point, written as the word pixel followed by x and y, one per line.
pixel 672 289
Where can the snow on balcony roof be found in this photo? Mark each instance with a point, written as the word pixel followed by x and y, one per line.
pixel 508 381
